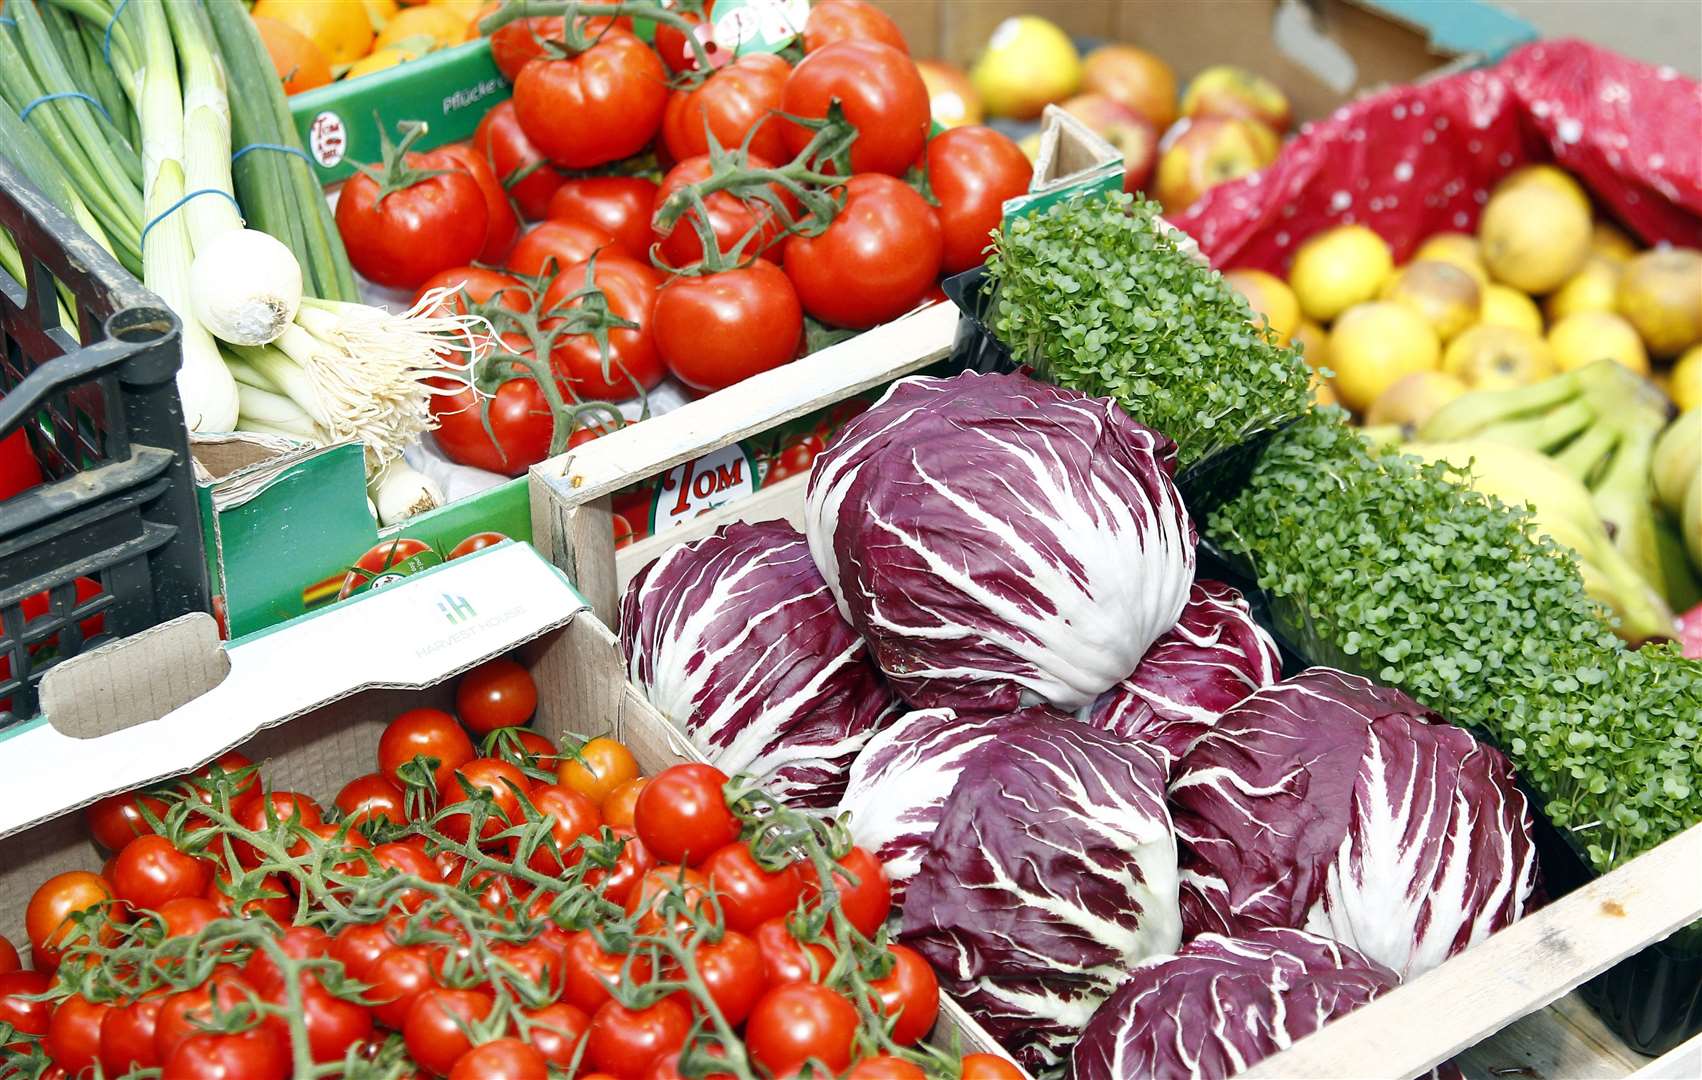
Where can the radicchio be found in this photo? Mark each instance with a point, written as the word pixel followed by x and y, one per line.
pixel 1213 657
pixel 1220 1004
pixel 1330 804
pixel 1000 542
pixel 736 638
pixel 1052 869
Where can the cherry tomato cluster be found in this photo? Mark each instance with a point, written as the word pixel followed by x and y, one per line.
pixel 484 905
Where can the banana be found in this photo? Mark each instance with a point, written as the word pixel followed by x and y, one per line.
pixel 1615 389
pixel 1470 413
pixel 1544 431
pixel 1678 460
pixel 1625 499
pixel 1680 584
pixel 1584 456
pixel 1691 523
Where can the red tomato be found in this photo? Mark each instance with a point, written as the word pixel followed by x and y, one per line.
pixel 618 205
pixel 381 565
pixel 555 1031
pixel 220 777
pixel 589 972
pixel 409 857
pixel 885 1067
pixel 476 542
pixel 682 814
pixel 622 803
pixel 635 861
pixel 478 285
pixel 271 897
pixel 117 819
pixel 339 843
pixel 851 20
pixel 785 959
pixel 750 895
pixel 553 246
pixel 127 1036
pixel 793 460
pixel 498 693
pixel 537 968
pixel 625 1041
pixel 187 1012
pixel 398 978
pixel 297 943
pixel 730 218
pixel 571 816
pixel 433 224
pixel 600 106
pixel 73 1034
pixel 798 1022
pixel 719 329
pixel 733 973
pixel 989 1067
pixel 434 1030
pixel 333 1024
pixel 671 44
pixel 867 900
pixel 517 43
pixel 501 1059
pixel 972 171
pixel 26 1017
pixel 9 961
pixel 520 166
pixel 520 421
pixel 373 797
pixel 881 92
pixel 911 992
pixel 423 733
pixel 667 1067
pixel 360 946
pixel 257 1054
pixel 187 915
pixel 18 468
pixel 502 225
pixel 729 104
pixel 629 288
pixel 534 751
pixel 282 806
pixel 875 262
pixel 665 891
pixel 502 781
pixel 47 919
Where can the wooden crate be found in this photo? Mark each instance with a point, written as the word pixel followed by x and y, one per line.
pixel 1503 1008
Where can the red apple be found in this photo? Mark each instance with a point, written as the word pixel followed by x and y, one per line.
pixel 1133 78
pixel 1198 154
pixel 1226 90
pixel 1124 129
pixel 952 100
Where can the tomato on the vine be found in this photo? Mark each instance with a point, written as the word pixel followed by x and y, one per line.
pixel 479 285
pixel 521 425
pixel 501 781
pixel 25 1016
pixel 285 806
pixel 383 564
pixel 634 862
pixel 186 915
pixel 555 1031
pixel 881 93
pixel 972 171
pixel 800 1021
pixel 521 166
pixel 885 1067
pixel 600 766
pixel 851 20
pixel 632 366
pixel 667 1067
pixel 732 972
pixel 600 106
pixel 423 733
pixel 911 991
pixel 794 460
pixel 625 1041
pixel 622 803
pixel 117 819
pixel 785 959
pixel 398 977
pixel 750 895
pixel 297 943
pixel 730 217
pixel 589 972
pixel 515 44
pixel 719 329
pixel 256 1054
pixel 571 816
pixel 127 1036
pixel 9 961
pixel 188 1012
pixel 48 916
pixel 876 260
pixel 669 892
pixel 271 896
pixel 402 236
pixel 619 205
pixel 670 42
pixel 682 814
pixel 360 946
pixel 498 693
pixel 553 246
pixel 743 95
pixel 501 1059
pixel 989 1067
pixel 502 224
pixel 372 797
pixel 73 1033
pixel 435 1029
pixel 865 902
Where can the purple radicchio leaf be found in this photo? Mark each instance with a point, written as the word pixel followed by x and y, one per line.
pixel 736 638
pixel 1330 804
pixel 1000 542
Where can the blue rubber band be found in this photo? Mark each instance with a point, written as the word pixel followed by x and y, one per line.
pixel 9 21
pixel 24 113
pixel 173 208
pixel 279 147
pixel 106 39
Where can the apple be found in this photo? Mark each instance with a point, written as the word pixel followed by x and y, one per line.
pixel 1226 90
pixel 952 100
pixel 1135 79
pixel 1199 153
pixel 1124 129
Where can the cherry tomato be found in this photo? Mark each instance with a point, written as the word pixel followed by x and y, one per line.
pixel 618 205
pixel 502 781
pixel 886 239
pixel 989 1067
pixel 359 946
pixel 785 959
pixel 333 1024
pixel 669 889
pixel 730 217
pixel 538 969
pixel 521 167
pixel 571 816
pixel 398 978
pixel 743 95
pixel 497 693
pixel 73 1033
pixel 117 819
pixel 911 991
pixel 553 246
pixel 619 807
pixel 600 766
pixel 283 806
pixel 868 901
pixel 633 366
pixel 502 225
pixel 798 1022
pixel 589 972
pixel 635 861
pixel 476 542
pixel 298 943
pixel 536 751
pixel 409 857
pixel 219 777
pixel 682 814
pixel 625 1041
pixel 434 1030
pixel 256 1054
pixel 521 424
pixel 667 1067
pixel 373 797
pixel 556 1030
pixel 972 171
pixel 501 1059
pixel 479 286
pixel 339 843
pixel 600 106
pixel 9 961
pixel 423 733
pixel 433 224
pixel 794 460
pixel 851 20
pixel 187 1012
pixel 881 92
pixel 271 897
pixel 732 971
pixel 127 1036
pixel 885 1067
pixel 26 1017
pixel 750 895
pixel 186 915
pixel 47 919
pixel 719 329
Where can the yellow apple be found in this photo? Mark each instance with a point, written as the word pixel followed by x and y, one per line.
pixel 1457 249
pixel 1413 399
pixel 1660 293
pixel 1338 268
pixel 1028 63
pixel 1268 296
pixel 1592 288
pixel 1534 236
pixel 1447 297
pixel 1374 345
pixel 1135 79
pixel 1197 155
pixel 1504 306
pixel 1498 358
pixel 1227 90
pixel 1582 338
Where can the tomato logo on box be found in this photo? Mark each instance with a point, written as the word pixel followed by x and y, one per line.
pixel 328 138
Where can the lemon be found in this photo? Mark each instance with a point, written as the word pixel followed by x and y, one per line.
pixel 1534 237
pixel 1337 269
pixel 1609 242
pixel 1660 293
pixel 1444 294
pixel 1590 289
pixel 1028 63
pixel 1455 249
pixel 1684 382
pixel 1588 336
pixel 1551 177
pixel 1268 296
pixel 1503 306
pixel 1374 345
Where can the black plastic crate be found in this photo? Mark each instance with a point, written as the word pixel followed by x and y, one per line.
pixel 108 543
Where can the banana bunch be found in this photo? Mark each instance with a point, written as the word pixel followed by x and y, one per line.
pixel 1677 470
pixel 1584 449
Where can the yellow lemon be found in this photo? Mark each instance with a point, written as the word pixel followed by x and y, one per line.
pixel 1448 297
pixel 1374 345
pixel 1498 358
pixel 1503 306
pixel 1028 62
pixel 1337 269
pixel 1588 336
pixel 1268 296
pixel 1660 293
pixel 1456 249
pixel 1551 177
pixel 1684 381
pixel 1590 289
pixel 1609 242
pixel 1534 237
